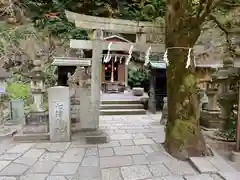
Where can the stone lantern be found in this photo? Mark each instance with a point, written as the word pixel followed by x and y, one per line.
pixel 209 117
pixel 37 86
pixel 212 94
pixel 226 96
pixel 3 95
pixel 37 115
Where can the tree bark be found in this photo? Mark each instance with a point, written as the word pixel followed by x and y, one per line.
pixel 183 133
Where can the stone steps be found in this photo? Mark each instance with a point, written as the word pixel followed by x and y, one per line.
pixel 121 106
pixel 122 111
pixel 126 101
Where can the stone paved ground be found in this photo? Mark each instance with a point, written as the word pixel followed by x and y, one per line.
pixel 133 153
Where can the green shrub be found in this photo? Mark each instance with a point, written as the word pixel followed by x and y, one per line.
pixel 138 78
pixel 19 90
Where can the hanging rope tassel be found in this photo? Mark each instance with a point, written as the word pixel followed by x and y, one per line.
pixel 165 57
pixel 188 58
pixel 147 56
pixel 130 54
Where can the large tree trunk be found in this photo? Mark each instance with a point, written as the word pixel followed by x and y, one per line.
pixel 183 133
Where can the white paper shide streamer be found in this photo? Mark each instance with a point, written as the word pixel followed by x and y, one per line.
pixel 107 59
pixel 188 63
pixel 130 54
pixel 165 57
pixel 147 56
pixel 121 59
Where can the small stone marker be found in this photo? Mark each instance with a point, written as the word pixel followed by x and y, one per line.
pixel 17 111
pixel 59 114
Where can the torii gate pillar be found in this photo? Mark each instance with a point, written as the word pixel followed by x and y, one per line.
pixel 96 77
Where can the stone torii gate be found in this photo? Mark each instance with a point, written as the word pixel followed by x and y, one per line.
pixel 97 45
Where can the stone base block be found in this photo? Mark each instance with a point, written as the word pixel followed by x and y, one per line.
pixel 31 137
pixel 11 122
pixel 35 129
pixel 137 91
pixel 210 119
pixel 6 132
pixel 9 130
pixel 235 156
pixel 38 117
pixel 93 136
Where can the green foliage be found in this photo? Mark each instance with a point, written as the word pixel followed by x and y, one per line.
pixel 142 10
pixel 19 90
pixel 231 129
pixel 49 14
pixel 11 37
pixel 50 75
pixel 137 77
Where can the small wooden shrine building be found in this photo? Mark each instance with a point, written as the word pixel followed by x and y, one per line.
pixel 114 71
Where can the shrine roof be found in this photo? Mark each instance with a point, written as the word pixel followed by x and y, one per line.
pixel 117 37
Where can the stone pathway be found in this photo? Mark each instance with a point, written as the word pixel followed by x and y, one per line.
pixel 134 152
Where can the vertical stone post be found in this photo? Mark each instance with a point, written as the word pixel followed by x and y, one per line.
pixel 96 76
pixel 86 122
pixel 17 111
pixel 152 96
pixel 126 76
pixel 59 114
pixel 82 80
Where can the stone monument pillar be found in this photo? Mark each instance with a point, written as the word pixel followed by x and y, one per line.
pixel 86 120
pixel 80 85
pixel 59 114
